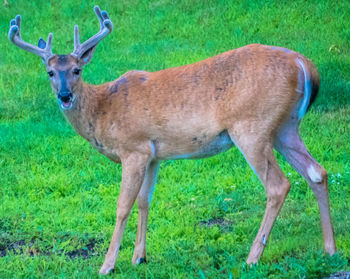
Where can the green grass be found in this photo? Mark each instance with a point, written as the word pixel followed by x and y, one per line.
pixel 58 195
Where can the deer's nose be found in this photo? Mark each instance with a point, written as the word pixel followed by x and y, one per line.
pixel 65 96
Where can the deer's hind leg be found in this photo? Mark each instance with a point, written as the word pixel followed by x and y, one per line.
pixel 258 151
pixel 293 149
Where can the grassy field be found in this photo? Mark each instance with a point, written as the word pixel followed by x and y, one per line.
pixel 58 195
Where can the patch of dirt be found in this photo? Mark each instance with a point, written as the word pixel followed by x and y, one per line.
pixel 224 224
pixel 18 247
pixel 29 248
pixel 86 252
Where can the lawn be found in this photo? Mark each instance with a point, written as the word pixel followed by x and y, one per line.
pixel 58 195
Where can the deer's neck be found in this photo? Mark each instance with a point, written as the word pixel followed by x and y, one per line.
pixel 83 115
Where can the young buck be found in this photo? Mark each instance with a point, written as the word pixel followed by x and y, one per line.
pixel 253 97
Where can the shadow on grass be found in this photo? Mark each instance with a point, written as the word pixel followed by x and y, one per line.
pixel 225 225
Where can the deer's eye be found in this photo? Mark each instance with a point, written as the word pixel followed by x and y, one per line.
pixel 51 73
pixel 76 71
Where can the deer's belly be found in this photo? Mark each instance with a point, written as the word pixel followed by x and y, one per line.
pixel 221 143
pixel 199 148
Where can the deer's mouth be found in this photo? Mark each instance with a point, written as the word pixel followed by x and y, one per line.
pixel 66 103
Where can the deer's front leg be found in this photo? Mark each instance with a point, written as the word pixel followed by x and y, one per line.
pixel 134 167
pixel 143 201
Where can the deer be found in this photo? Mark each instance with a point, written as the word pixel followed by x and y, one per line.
pixel 253 97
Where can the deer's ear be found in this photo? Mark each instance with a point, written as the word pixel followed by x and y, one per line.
pixel 41 43
pixel 87 55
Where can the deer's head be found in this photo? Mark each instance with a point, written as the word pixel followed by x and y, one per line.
pixel 64 71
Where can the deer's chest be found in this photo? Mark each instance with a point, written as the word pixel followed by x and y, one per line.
pixel 105 150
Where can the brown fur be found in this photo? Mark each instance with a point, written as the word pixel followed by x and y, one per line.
pixel 198 100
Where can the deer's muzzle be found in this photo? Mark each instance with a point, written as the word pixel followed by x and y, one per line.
pixel 65 99
pixel 65 96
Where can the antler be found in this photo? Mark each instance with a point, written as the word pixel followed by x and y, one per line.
pixel 106 27
pixel 15 37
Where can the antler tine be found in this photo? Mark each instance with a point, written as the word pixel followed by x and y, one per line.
pixel 18 21
pixel 48 47
pixel 76 37
pixel 14 36
pixel 106 27
pixel 99 15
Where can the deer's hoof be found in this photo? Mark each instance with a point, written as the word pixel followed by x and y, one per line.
pixel 106 270
pixel 141 260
